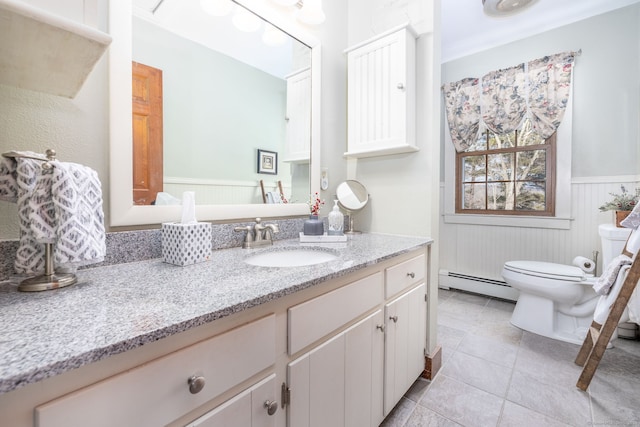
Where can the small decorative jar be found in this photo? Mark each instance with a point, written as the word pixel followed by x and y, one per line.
pixel 335 220
pixel 313 226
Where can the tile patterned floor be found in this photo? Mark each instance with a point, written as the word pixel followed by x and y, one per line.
pixel 494 374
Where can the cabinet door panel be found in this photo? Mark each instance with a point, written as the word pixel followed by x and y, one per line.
pixel 405 342
pixel 339 383
pixel 327 384
pixel 235 412
pixel 363 372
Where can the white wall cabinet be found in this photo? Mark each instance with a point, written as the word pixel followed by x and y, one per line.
pixel 298 119
pixel 382 95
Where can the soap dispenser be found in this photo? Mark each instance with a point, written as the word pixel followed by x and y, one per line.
pixel 335 220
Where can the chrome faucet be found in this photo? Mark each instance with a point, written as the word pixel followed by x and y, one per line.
pixel 259 234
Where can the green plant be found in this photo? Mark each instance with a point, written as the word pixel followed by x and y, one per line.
pixel 625 201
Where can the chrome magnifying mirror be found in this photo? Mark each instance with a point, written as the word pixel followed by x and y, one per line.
pixel 352 197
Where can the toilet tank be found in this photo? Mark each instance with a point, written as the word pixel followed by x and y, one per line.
pixel 613 239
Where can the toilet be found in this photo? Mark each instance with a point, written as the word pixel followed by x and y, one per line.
pixel 557 300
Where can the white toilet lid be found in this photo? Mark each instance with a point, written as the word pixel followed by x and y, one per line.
pixel 548 270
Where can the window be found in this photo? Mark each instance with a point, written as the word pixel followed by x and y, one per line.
pixel 509 174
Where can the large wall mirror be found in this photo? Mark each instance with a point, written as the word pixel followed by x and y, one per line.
pixel 235 123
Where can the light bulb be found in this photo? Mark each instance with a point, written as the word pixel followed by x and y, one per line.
pixel 285 2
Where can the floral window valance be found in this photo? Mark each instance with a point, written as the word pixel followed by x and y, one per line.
pixel 502 99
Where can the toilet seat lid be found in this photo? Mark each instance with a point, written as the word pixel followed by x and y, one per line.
pixel 548 270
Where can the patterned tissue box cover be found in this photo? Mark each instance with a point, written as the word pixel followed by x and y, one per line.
pixel 184 244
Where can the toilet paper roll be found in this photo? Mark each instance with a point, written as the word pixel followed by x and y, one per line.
pixel 587 265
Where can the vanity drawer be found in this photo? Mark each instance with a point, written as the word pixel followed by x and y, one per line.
pixel 403 275
pixel 314 319
pixel 158 392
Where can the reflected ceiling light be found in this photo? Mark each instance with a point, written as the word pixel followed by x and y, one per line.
pixel 217 7
pixel 273 36
pixel 245 20
pixel 285 2
pixel 505 7
pixel 311 12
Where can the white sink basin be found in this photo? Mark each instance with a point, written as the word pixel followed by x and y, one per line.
pixel 290 257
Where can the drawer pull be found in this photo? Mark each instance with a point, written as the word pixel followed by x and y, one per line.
pixel 272 406
pixel 412 275
pixel 394 318
pixel 381 327
pixel 196 384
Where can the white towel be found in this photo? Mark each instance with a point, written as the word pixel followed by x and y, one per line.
pixel 77 198
pixel 8 184
pixel 634 306
pixel 274 197
pixel 609 275
pixel 63 207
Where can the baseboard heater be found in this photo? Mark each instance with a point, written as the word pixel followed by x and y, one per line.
pixel 478 285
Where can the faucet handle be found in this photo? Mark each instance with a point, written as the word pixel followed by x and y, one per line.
pixel 249 237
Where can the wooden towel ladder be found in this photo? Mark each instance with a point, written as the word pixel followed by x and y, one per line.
pixel 264 193
pixel 598 336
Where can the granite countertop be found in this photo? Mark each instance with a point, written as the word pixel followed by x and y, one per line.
pixel 116 308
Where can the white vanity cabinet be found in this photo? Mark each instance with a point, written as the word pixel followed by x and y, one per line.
pixel 382 95
pixel 298 119
pixel 405 328
pixel 339 353
pixel 165 389
pixel 356 377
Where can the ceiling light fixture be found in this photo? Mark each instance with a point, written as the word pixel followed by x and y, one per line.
pixel 505 7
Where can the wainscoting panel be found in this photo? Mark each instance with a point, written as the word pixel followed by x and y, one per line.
pixel 216 192
pixel 481 250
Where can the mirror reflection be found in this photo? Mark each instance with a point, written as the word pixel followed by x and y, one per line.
pixel 217 109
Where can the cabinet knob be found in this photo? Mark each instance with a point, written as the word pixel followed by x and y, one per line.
pixel 400 86
pixel 196 384
pixel 381 327
pixel 394 318
pixel 272 406
pixel 412 275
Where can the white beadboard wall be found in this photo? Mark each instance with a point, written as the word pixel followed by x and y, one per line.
pixel 215 192
pixel 480 251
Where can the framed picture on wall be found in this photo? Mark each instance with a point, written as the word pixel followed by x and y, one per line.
pixel 267 162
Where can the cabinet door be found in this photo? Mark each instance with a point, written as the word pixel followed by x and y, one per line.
pixel 247 409
pixel 381 95
pixel 339 383
pixel 298 120
pixel 405 344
